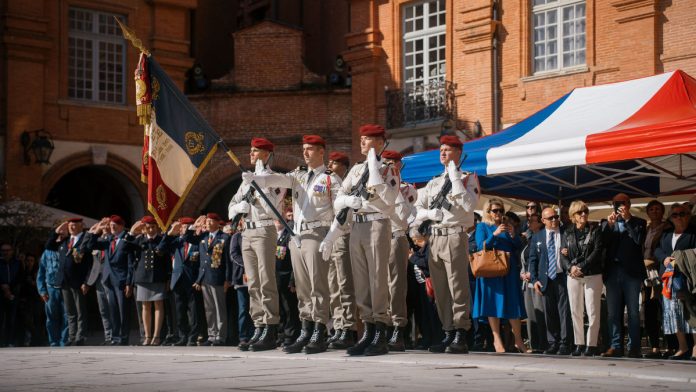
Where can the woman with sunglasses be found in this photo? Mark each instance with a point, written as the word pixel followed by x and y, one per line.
pixel 581 258
pixel 533 208
pixel 681 238
pixel 501 297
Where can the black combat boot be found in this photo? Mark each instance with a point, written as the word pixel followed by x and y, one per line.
pixel 379 345
pixel 396 342
pixel 244 346
pixel 365 340
pixel 302 340
pixel 334 337
pixel 317 344
pixel 442 346
pixel 346 339
pixel 458 345
pixel 267 340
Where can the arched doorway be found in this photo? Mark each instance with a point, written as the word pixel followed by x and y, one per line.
pixel 96 191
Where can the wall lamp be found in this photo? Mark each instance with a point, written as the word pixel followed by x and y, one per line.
pixel 38 143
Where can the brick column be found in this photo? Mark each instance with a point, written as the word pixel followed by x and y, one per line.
pixel 170 39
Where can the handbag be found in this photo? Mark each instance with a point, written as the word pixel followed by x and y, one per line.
pixel 490 263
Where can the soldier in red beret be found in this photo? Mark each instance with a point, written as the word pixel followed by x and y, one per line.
pixel 372 203
pixel 449 256
pixel 404 211
pixel 314 190
pixel 258 249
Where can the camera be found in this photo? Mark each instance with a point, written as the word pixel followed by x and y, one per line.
pixel 617 205
pixel 653 279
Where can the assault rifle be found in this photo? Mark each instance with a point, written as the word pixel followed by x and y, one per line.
pixel 440 201
pixel 359 189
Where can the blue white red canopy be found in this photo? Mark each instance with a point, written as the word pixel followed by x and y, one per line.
pixel 637 137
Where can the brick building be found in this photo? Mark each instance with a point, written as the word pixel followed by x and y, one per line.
pixel 450 64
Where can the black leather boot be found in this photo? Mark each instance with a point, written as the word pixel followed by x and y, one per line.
pixel 244 346
pixel 396 342
pixel 335 336
pixel 442 346
pixel 590 351
pixel 347 339
pixel 365 340
pixel 578 351
pixel 458 345
pixel 380 343
pixel 302 340
pixel 317 344
pixel 267 340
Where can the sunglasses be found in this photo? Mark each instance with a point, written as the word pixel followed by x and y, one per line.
pixel 583 212
pixel 496 211
pixel 553 218
pixel 679 214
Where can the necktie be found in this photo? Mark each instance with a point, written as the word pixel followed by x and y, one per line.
pixel 113 245
pixel 309 178
pixel 210 239
pixel 553 257
pixel 186 249
pixel 72 243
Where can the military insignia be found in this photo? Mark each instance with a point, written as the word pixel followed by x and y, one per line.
pixel 410 199
pixel 194 142
pixel 216 256
pixel 161 194
pixel 140 89
pixel 277 191
pixel 392 182
pixel 146 159
pixel 77 256
pixel 155 88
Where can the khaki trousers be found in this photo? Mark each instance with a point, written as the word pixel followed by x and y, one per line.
pixel 215 312
pixel 258 251
pixel 587 292
pixel 449 271
pixel 369 259
pixel 341 285
pixel 311 276
pixel 398 265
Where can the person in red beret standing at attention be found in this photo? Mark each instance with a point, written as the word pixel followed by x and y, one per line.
pixel 76 267
pixel 258 249
pixel 314 190
pixel 371 230
pixel 404 211
pixel 341 274
pixel 449 255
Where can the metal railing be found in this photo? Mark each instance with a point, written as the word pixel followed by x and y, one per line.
pixel 423 103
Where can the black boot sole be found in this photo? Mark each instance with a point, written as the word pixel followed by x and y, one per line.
pixel 397 347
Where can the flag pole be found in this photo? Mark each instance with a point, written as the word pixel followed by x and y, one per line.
pixel 129 34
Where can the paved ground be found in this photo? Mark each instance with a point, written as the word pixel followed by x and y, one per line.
pixel 225 368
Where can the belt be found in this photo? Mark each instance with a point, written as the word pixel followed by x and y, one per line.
pixel 447 230
pixel 315 224
pixel 259 224
pixel 398 234
pixel 368 217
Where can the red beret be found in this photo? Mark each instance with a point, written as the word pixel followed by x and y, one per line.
pixel 371 130
pixel 214 216
pixel 149 220
pixel 118 220
pixel 391 154
pixel 339 157
pixel 75 220
pixel 313 139
pixel 262 143
pixel 185 220
pixel 451 140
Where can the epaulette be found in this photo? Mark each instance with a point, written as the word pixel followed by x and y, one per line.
pixel 301 168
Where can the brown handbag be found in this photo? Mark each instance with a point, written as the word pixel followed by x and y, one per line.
pixel 490 263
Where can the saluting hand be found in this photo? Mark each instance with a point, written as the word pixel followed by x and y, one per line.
pixel 174 230
pixel 62 229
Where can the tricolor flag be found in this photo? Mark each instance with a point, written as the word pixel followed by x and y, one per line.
pixel 179 142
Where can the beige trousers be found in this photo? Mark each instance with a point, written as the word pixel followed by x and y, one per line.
pixel 369 259
pixel 311 276
pixel 587 292
pixel 258 251
pixel 449 271
pixel 341 285
pixel 398 265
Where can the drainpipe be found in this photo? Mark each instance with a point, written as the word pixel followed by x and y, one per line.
pixel 495 70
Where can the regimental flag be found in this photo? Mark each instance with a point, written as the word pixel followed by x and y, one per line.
pixel 179 142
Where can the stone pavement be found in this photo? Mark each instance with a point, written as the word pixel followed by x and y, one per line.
pixel 226 368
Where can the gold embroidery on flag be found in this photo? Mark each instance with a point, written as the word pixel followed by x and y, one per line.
pixel 194 142
pixel 161 198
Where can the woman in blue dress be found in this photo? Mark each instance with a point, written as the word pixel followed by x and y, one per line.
pixel 501 297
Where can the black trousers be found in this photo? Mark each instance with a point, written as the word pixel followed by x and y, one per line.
pixel 289 312
pixel 120 311
pixel 186 305
pixel 559 326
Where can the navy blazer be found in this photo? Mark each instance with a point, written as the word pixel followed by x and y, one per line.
pixel 625 250
pixel 77 264
pixel 664 250
pixel 207 273
pixel 237 260
pixel 184 266
pixel 539 259
pixel 118 263
pixel 152 262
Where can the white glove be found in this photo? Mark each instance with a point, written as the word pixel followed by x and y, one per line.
pixel 455 176
pixel 240 208
pixel 354 202
pixel 247 177
pixel 373 165
pixel 434 215
pixel 326 246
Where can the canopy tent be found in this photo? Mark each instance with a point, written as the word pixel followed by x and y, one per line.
pixel 636 137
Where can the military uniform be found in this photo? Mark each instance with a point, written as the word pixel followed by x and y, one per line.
pixel 342 291
pixel 449 256
pixel 185 269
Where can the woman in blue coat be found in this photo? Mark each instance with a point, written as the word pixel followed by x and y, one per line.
pixel 501 297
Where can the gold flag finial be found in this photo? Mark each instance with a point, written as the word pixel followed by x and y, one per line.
pixel 129 34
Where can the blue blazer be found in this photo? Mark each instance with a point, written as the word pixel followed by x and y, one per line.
pixel 686 241
pixel 539 259
pixel 184 269
pixel 207 273
pixel 76 263
pixel 118 264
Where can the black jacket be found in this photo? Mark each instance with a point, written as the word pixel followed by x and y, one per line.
pixel 664 250
pixel 625 249
pixel 152 263
pixel 237 260
pixel 585 250
pixel 215 265
pixel 77 263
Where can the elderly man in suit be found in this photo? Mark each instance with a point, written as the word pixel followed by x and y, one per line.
pixel 76 267
pixel 95 280
pixel 624 236
pixel 549 281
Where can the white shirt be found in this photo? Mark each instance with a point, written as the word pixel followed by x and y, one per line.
pixel 675 238
pixel 557 239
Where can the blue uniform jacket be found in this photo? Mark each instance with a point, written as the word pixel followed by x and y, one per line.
pixel 185 265
pixel 215 265
pixel 77 263
pixel 118 262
